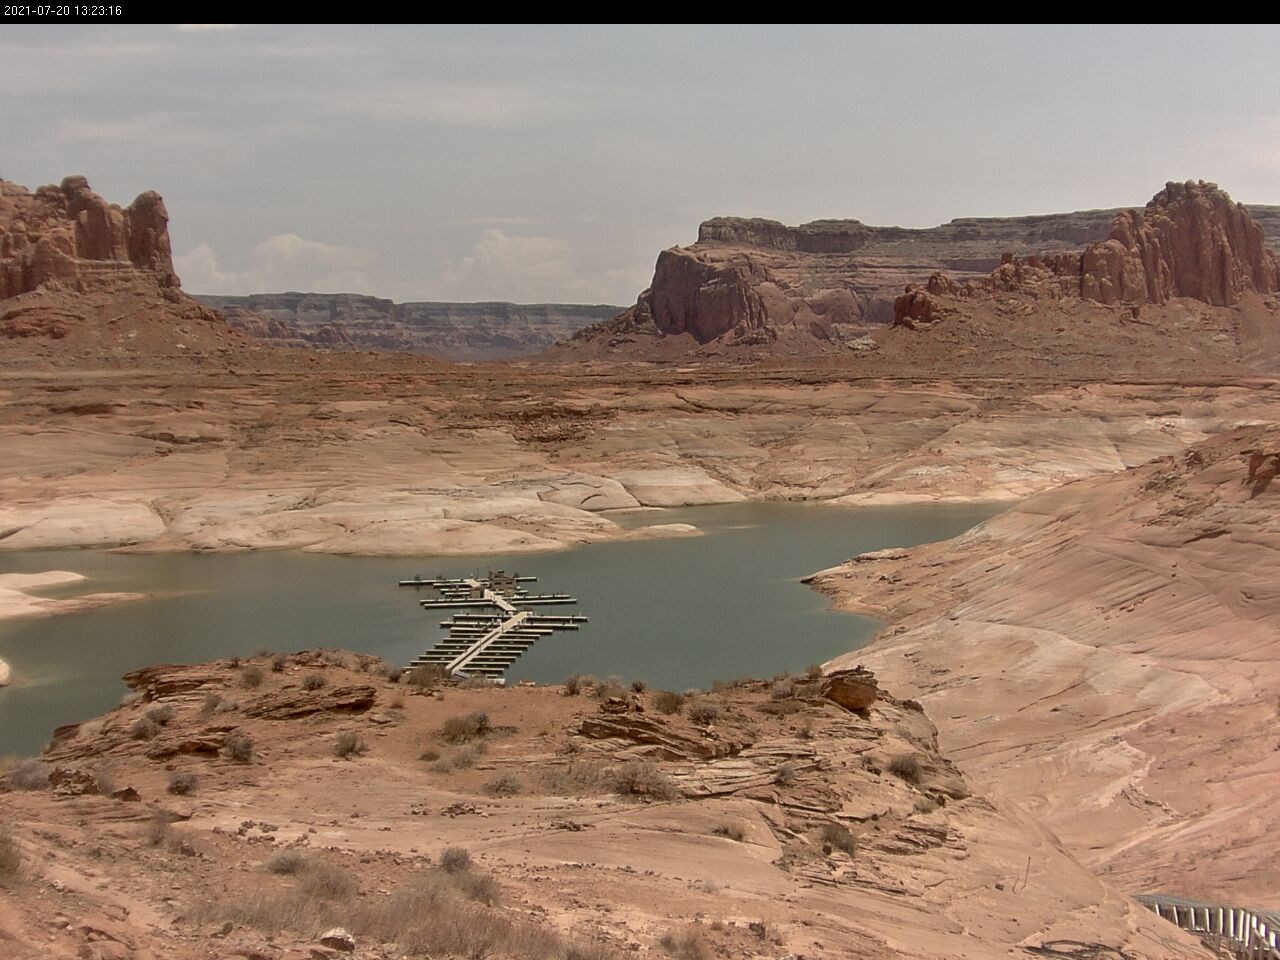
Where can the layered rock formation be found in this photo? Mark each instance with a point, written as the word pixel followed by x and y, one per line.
pixel 74 267
pixel 830 282
pixel 447 331
pixel 1191 240
pixel 70 235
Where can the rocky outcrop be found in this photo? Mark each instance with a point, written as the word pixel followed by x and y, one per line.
pixel 854 689
pixel 1191 240
pixel 69 235
pixel 447 331
pixel 293 702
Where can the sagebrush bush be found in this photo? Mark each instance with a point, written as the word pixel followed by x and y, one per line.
pixel 29 774
pixel 685 944
pixel 838 836
pixel 639 686
pixel 905 767
pixel 212 701
pixel 240 747
pixel 578 683
pixel 11 859
pixel 349 744
pixel 813 671
pixel 643 778
pixel 279 662
pixel 786 774
pixel 314 681
pixel 665 701
pixel 611 687
pixel 731 830
pixel 162 715
pixel 464 728
pixel 327 882
pixel 286 862
pixel 704 712
pixel 506 785
pixel 144 728
pixel 183 784
pixel 455 859
pixel 251 677
pixel 156 832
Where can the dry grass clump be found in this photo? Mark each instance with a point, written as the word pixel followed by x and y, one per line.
pixel 425 677
pixel 314 681
pixel 157 831
pixel 786 774
pixel 686 944
pixel 782 689
pixel 11 859
pixel 578 683
pixel 162 715
pixel 611 687
pixel 467 727
pixel 325 881
pixel 580 775
pixel 183 784
pixel 28 774
pixel 813 671
pixel 665 701
pixel 839 837
pixel 704 712
pixel 239 747
pixel 212 701
pixel 286 863
pixel 251 677
pixel 506 785
pixel 144 728
pixel 639 686
pixel 279 662
pixel 642 778
pixel 349 744
pixel 905 767
pixel 455 859
pixel 730 830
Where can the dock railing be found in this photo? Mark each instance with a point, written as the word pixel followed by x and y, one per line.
pixel 1247 933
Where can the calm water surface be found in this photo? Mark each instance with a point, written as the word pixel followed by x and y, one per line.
pixel 677 612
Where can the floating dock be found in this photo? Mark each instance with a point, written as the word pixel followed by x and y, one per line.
pixel 485 644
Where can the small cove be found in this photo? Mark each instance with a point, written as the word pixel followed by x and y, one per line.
pixel 678 613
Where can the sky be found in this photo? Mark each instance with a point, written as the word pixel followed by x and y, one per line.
pixel 553 163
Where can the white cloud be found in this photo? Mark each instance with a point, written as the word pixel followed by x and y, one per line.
pixel 531 269
pixel 281 262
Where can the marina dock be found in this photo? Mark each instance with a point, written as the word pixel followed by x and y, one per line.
pixel 486 643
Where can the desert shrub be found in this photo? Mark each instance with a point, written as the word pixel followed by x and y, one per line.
pixel 733 831
pixel 838 836
pixel 464 728
pixel 279 662
pixel 397 702
pixel 29 774
pixel 704 712
pixel 349 744
pixel 905 767
pixel 327 882
pixel 638 686
pixel 157 830
pixel 806 690
pixel 455 859
pixel 643 778
pixel 225 706
pixel 925 805
pixel 144 728
pixel 162 715
pixel 11 859
pixel 211 702
pixel 130 698
pixel 479 887
pixel 466 758
pixel 685 944
pixel 782 689
pixel 334 658
pixel 391 673
pixel 286 862
pixel 240 747
pixel 805 732
pixel 580 775
pixel 425 677
pixel 578 683
pixel 313 681
pixel 104 780
pixel 506 785
pixel 786 774
pixel 813 671
pixel 664 701
pixel 431 755
pixel 251 677
pixel 183 784
pixel 442 765
pixel 611 687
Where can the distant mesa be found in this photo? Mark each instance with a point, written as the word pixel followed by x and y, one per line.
pixel 753 282
pixel 446 331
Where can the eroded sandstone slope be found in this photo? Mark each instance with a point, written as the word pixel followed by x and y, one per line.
pixel 1105 655
pixel 246 808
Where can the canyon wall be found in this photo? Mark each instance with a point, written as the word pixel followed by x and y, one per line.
pixel 448 331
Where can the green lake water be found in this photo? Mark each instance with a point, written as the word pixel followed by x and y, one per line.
pixel 678 613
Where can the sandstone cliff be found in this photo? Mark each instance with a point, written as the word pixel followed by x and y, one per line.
pixel 447 331
pixel 828 283
pixel 75 267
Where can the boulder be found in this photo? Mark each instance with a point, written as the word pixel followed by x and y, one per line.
pixel 293 702
pixel 338 939
pixel 854 689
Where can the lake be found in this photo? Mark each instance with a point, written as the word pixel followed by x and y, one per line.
pixel 678 613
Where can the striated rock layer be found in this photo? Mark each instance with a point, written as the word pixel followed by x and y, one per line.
pixel 447 331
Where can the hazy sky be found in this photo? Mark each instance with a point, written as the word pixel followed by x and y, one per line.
pixel 554 163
